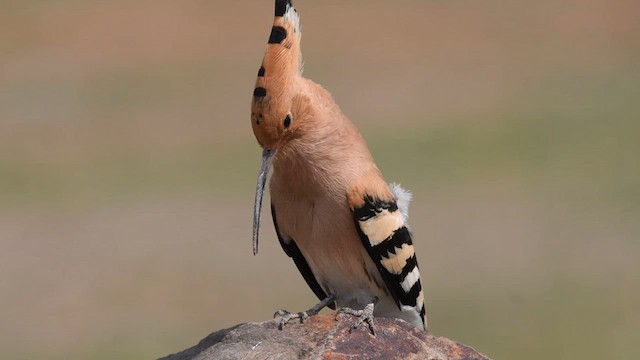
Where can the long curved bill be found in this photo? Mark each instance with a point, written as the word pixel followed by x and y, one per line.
pixel 267 159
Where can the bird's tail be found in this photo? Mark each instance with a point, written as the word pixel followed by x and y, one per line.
pixel 283 58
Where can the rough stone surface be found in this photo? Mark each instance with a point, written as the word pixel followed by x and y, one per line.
pixel 321 337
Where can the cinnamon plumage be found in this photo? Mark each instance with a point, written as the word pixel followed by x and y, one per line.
pixel 344 227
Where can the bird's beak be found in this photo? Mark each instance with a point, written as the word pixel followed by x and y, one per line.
pixel 267 159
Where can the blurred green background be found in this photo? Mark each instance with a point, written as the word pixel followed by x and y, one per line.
pixel 128 166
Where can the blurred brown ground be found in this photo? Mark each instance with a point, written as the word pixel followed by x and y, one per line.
pixel 127 168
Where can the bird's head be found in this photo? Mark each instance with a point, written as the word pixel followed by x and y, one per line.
pixel 277 107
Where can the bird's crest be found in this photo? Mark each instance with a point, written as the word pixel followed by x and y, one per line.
pixel 282 60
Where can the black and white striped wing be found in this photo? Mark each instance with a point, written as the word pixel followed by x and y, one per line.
pixel 383 230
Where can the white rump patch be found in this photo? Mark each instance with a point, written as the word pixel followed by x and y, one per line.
pixel 380 227
pixel 403 198
pixel 412 278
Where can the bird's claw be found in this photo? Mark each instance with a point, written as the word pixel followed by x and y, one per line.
pixel 286 316
pixel 365 315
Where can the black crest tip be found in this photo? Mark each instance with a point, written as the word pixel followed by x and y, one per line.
pixel 281 7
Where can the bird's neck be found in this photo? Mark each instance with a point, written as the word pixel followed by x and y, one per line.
pixel 327 158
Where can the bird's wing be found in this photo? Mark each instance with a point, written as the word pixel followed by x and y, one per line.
pixel 382 227
pixel 291 249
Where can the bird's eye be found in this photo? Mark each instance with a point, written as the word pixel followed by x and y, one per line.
pixel 287 121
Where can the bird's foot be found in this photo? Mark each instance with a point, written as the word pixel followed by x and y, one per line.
pixel 364 315
pixel 286 316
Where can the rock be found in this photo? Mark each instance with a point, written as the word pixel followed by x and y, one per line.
pixel 321 337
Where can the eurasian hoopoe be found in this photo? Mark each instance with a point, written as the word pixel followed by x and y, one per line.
pixel 334 214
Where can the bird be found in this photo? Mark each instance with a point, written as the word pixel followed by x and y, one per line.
pixel 345 228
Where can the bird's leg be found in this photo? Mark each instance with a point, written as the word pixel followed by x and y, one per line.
pixel 364 315
pixel 286 316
